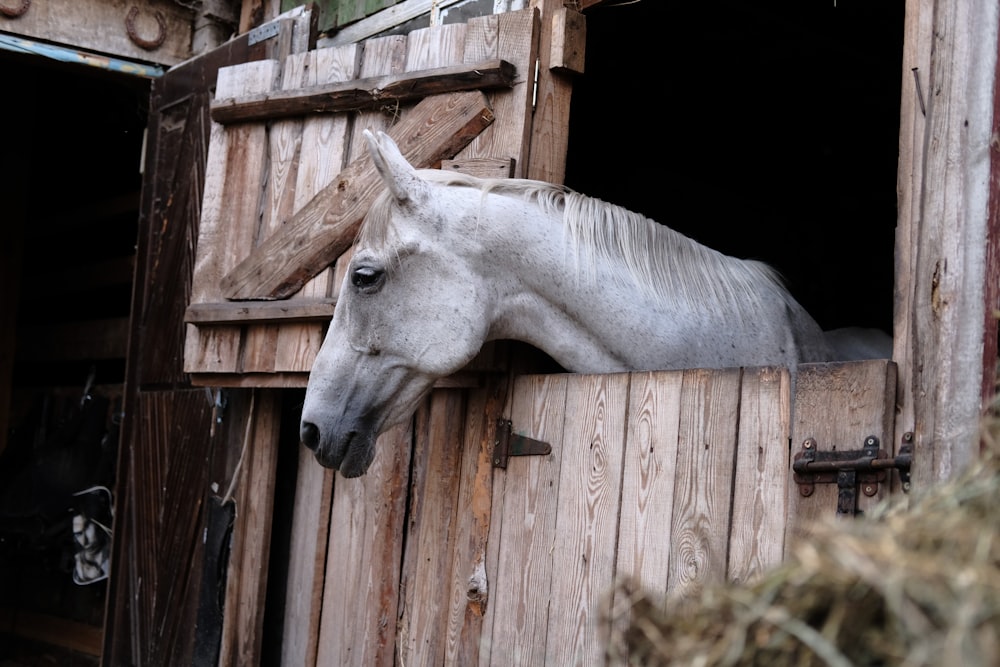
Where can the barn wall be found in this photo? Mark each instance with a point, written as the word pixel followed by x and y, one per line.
pixel 942 319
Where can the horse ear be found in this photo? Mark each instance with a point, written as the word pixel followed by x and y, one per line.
pixel 398 174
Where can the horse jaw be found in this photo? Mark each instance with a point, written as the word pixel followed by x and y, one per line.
pixel 342 420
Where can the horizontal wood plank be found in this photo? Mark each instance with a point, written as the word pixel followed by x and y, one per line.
pixel 368 93
pixel 434 130
pixel 299 310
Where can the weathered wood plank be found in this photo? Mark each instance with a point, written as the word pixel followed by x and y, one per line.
pixel 756 538
pixel 515 627
pixel 431 531
pixel 583 551
pixel 246 583
pixel 360 595
pixel 839 405
pixel 361 589
pixel 370 93
pixel 550 119
pixel 706 449
pixel 228 312
pixel 648 480
pixel 230 202
pixel 304 588
pixel 470 587
pixel 313 238
pixel 512 37
pixel 324 142
pixel 100 26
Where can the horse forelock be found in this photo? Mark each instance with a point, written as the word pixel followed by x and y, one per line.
pixel 663 263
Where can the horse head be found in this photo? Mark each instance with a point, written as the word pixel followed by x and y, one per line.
pixel 411 310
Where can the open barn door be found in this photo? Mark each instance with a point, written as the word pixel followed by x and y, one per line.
pixel 176 441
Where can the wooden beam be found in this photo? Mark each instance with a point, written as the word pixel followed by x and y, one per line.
pixel 434 130
pixel 297 310
pixel 369 93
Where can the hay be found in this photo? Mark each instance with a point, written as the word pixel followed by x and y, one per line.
pixel 912 585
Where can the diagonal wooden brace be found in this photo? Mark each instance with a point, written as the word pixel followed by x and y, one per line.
pixel 435 129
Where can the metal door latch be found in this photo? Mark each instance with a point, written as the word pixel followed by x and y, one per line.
pixel 865 468
pixel 507 444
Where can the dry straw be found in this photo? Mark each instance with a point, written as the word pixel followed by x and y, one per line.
pixel 913 585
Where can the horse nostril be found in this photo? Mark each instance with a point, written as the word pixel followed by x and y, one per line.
pixel 309 433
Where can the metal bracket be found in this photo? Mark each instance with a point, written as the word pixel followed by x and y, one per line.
pixel 263 32
pixel 507 444
pixel 865 468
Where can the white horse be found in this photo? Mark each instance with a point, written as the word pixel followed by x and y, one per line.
pixel 444 262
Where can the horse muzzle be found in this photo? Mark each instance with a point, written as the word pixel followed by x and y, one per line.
pixel 350 452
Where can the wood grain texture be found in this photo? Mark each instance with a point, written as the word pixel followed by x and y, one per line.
pixel 706 450
pixel 583 552
pixel 246 582
pixel 648 480
pixel 230 202
pixel 320 231
pixel 361 590
pixel 431 530
pixel 512 37
pixel 369 93
pixel 761 477
pixel 838 404
pixel 516 622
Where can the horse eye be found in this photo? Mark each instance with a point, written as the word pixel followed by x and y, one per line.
pixel 366 277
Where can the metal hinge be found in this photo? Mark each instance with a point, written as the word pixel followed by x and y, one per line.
pixel 507 444
pixel 850 470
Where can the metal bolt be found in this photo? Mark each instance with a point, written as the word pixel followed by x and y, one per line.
pixel 808 444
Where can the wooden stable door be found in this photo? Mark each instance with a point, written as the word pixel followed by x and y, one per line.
pixel 675 479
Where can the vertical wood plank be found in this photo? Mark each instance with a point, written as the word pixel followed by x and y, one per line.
pixel 587 516
pixel 360 595
pixel 246 584
pixel 470 587
pixel 702 494
pixel 550 119
pixel 514 630
pixel 838 404
pixel 431 530
pixel 324 142
pixel 366 523
pixel 283 142
pixel 512 36
pixel 648 480
pixel 756 539
pixel 231 200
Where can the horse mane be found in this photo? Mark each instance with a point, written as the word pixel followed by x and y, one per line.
pixel 662 262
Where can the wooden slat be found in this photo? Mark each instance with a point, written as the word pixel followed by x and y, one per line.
pixel 838 404
pixel 228 312
pixel 707 435
pixel 520 571
pixel 360 596
pixel 319 232
pixel 431 531
pixel 470 588
pixel 760 484
pixel 361 588
pixel 648 480
pixel 231 202
pixel 370 93
pixel 246 582
pixel 589 491
pixel 513 37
